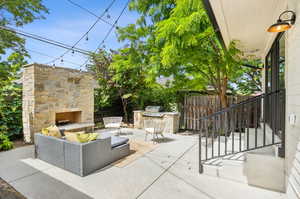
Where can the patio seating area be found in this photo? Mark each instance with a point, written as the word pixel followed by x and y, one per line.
pixel 169 170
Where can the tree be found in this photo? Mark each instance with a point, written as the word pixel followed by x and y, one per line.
pixel 17 13
pixel 121 77
pixel 178 40
pixel 12 58
pixel 105 93
pixel 250 81
pixel 188 40
pixel 117 77
pixel 11 96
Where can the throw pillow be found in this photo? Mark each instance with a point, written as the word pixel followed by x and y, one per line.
pixel 81 137
pixel 52 131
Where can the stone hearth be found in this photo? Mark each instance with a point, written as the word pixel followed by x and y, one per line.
pixel 54 95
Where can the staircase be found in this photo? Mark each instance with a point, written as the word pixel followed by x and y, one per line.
pixel 245 142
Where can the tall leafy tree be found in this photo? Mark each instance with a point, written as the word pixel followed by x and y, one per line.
pixel 12 52
pixel 105 93
pixel 117 76
pixel 188 40
pixel 176 39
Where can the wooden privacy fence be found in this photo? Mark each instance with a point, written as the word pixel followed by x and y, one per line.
pixel 195 107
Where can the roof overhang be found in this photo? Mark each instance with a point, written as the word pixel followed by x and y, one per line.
pixel 245 21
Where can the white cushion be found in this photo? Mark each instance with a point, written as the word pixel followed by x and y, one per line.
pixel 113 125
pixel 150 130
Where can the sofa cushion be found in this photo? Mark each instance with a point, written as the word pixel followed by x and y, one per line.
pixel 72 137
pixel 118 141
pixel 115 140
pixel 52 131
pixel 81 137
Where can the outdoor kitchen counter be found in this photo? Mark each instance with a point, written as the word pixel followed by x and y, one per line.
pixel 171 120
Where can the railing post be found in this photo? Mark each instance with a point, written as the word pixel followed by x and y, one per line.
pixel 266 102
pixel 200 150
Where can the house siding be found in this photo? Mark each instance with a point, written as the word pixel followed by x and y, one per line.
pixel 292 76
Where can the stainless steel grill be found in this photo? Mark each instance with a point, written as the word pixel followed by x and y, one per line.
pixel 153 111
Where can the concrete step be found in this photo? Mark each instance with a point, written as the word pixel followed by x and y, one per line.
pixel 229 167
pixel 265 171
pixel 233 170
pixel 294 184
pixel 237 156
pixel 293 188
pixel 211 170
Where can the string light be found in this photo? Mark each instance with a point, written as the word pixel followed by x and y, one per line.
pixel 46 55
pixel 91 27
pixel 90 12
pixel 109 32
pixel 44 39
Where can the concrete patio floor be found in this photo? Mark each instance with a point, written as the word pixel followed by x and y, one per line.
pixel 169 171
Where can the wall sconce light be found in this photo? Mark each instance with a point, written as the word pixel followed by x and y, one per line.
pixel 283 25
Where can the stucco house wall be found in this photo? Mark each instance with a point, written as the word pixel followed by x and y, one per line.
pixel 292 76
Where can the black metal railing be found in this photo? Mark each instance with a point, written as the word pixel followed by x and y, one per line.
pixel 255 123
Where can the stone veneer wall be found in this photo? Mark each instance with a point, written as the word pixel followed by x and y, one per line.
pixel 171 120
pixel 48 90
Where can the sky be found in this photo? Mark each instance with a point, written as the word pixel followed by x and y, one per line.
pixel 67 23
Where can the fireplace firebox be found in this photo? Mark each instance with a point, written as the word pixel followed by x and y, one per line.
pixel 63 118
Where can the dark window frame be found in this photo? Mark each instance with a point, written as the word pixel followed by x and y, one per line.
pixel 272 84
pixel 273 67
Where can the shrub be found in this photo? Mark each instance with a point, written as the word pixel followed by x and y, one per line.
pixel 5 143
pixel 11 110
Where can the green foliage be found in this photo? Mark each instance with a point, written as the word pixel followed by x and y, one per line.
pixel 11 96
pixel 17 13
pixel 5 143
pixel 11 110
pixel 157 95
pixel 188 40
pixel 174 38
pixel 248 83
pixel 14 13
pixel 21 12
pixel 105 95
pixel 121 77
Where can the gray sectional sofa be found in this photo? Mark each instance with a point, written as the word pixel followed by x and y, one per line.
pixel 81 158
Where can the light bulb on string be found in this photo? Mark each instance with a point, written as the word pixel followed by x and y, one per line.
pixel 108 16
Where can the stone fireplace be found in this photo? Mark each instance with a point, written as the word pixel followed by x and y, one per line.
pixel 56 96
